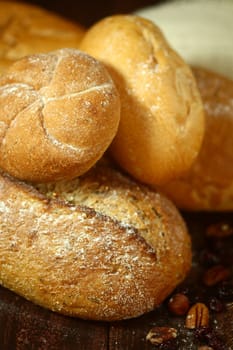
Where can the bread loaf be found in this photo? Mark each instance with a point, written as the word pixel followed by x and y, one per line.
pixel 99 247
pixel 58 114
pixel 209 183
pixel 162 121
pixel 26 29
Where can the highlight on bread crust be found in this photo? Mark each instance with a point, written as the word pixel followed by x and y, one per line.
pixel 27 29
pixel 209 183
pixel 162 122
pixel 98 247
pixel 58 113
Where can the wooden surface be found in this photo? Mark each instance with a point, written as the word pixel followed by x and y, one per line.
pixel 25 326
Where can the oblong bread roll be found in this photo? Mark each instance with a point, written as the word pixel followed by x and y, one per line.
pixel 162 122
pixel 99 247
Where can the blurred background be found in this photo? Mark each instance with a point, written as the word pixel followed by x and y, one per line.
pixel 200 31
pixel 88 12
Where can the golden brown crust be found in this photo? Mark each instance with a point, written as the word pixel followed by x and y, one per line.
pixel 209 183
pixel 58 114
pixel 26 29
pixel 162 120
pixel 92 262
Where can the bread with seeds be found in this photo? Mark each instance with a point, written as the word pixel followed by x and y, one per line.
pixel 98 247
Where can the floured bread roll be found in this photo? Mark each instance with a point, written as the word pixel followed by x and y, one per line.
pixel 200 31
pixel 27 29
pixel 99 247
pixel 209 183
pixel 162 121
pixel 58 114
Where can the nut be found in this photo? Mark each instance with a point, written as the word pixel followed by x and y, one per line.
pixel 160 335
pixel 219 230
pixel 198 316
pixel 215 274
pixel 178 304
pixel 205 347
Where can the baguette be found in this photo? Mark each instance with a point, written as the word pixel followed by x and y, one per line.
pixel 98 247
pixel 27 29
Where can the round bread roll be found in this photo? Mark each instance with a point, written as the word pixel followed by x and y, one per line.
pixel 27 29
pixel 200 31
pixel 58 114
pixel 99 247
pixel 162 121
pixel 209 183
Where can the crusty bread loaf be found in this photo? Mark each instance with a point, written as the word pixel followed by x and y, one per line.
pixel 58 114
pixel 209 183
pixel 162 121
pixel 26 29
pixel 98 247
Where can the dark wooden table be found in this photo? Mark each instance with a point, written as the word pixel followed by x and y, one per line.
pixel 25 326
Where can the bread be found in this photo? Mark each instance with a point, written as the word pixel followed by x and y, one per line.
pixel 99 247
pixel 209 183
pixel 58 113
pixel 26 29
pixel 162 121
pixel 200 31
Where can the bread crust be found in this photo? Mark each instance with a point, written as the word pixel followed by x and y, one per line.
pixel 209 183
pixel 27 29
pixel 58 112
pixel 99 261
pixel 162 121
